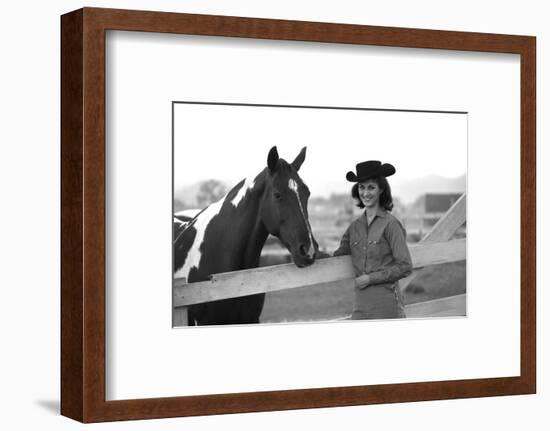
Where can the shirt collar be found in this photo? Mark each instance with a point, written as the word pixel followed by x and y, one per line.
pixel 380 213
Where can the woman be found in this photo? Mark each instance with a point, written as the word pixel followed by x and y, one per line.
pixel 377 244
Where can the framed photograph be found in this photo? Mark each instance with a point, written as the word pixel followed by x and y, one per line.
pixel 268 215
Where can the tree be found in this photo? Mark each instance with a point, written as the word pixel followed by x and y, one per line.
pixel 210 191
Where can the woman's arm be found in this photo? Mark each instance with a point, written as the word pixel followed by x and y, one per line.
pixel 344 248
pixel 401 265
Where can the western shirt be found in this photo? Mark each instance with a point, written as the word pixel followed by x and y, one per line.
pixel 379 249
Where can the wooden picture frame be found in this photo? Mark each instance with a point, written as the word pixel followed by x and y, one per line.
pixel 83 214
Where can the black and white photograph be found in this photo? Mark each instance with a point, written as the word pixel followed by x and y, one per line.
pixel 275 215
pixel 295 214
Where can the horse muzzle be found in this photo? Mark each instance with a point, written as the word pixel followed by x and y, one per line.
pixel 305 255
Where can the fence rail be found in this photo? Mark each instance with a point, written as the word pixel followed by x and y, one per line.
pixel 443 230
pixel 435 248
pixel 288 276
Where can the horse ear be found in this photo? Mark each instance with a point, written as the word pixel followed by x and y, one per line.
pixel 272 159
pixel 297 163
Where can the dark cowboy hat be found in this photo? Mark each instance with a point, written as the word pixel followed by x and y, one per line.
pixel 370 169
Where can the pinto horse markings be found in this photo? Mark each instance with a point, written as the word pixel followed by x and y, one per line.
pixel 243 187
pixel 229 235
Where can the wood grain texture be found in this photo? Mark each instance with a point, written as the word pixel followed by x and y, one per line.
pixel 447 225
pixel 83 214
pixel 528 216
pixel 305 398
pixel 441 307
pixel 289 276
pixel 258 28
pixel 72 354
pixel 443 230
pixel 94 216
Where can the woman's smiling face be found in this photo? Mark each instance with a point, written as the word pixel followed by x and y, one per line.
pixel 369 193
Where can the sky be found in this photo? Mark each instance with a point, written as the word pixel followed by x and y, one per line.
pixel 232 142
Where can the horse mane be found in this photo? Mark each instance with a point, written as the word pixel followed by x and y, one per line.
pixel 229 235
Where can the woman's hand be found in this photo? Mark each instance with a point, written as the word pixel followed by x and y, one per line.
pixel 362 281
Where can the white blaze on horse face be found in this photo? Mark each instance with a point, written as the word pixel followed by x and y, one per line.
pixel 247 185
pixel 293 185
pixel 194 255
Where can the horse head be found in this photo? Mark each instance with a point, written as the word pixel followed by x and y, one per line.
pixel 284 207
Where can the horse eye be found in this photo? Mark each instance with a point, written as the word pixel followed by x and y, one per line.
pixel 276 195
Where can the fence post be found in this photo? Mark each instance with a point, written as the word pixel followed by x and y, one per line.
pixel 443 230
pixel 179 317
pixel 179 314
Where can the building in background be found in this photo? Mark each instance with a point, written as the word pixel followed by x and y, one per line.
pixel 424 213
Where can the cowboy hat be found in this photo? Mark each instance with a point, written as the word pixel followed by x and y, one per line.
pixel 370 169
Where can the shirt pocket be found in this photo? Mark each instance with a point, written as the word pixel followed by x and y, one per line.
pixel 378 250
pixel 355 241
pixel 357 249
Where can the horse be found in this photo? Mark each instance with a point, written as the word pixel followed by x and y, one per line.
pixel 185 215
pixel 181 219
pixel 229 235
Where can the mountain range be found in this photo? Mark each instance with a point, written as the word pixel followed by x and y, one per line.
pixel 407 191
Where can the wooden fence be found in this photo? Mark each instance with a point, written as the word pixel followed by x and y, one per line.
pixel 435 248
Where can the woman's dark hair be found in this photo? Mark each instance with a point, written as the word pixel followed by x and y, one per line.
pixel 386 200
